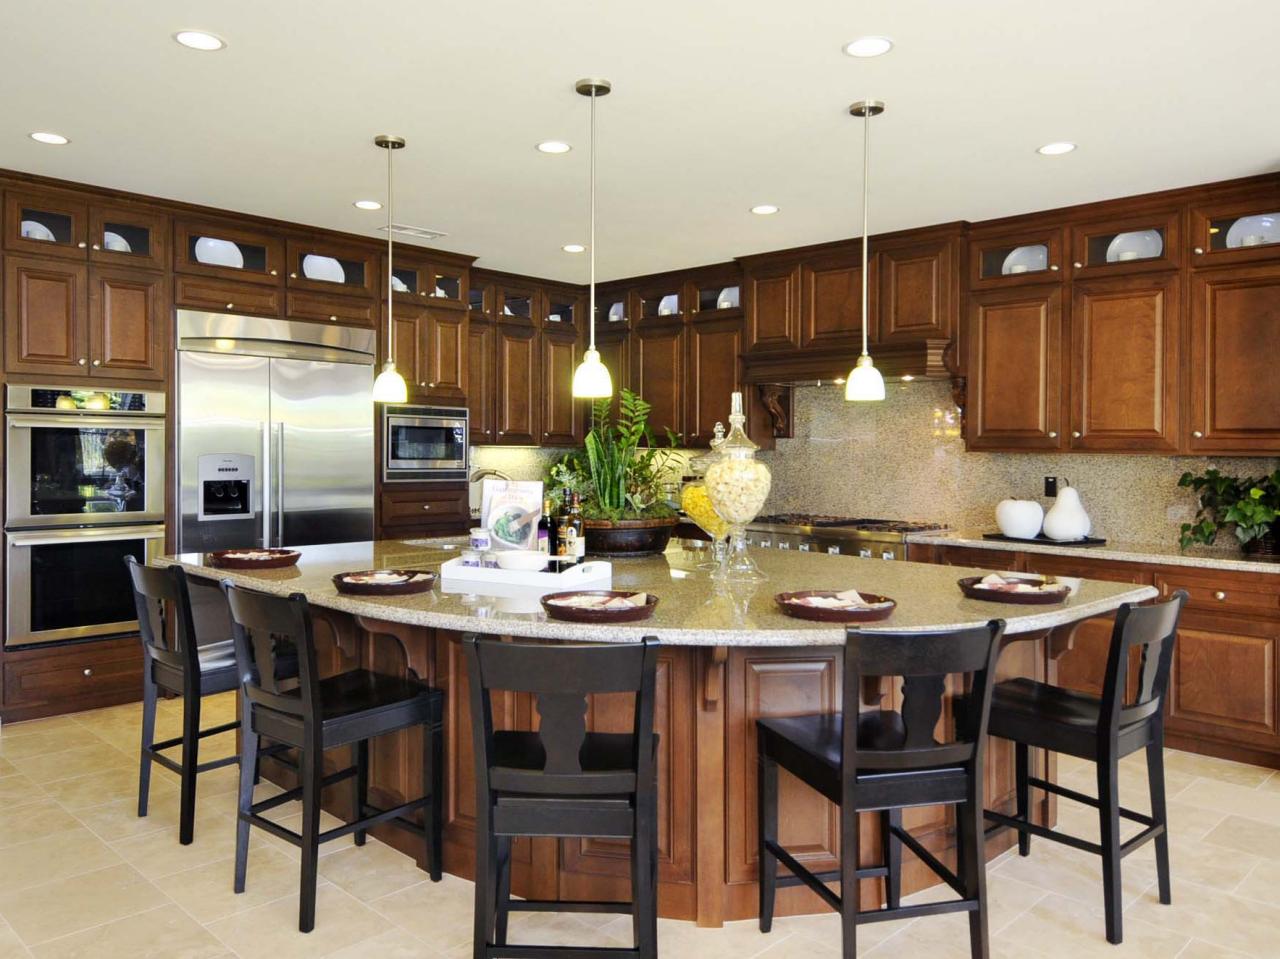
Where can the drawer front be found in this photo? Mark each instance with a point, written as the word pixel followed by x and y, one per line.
pixel 425 507
pixel 1086 568
pixel 998 559
pixel 342 310
pixel 1257 594
pixel 75 675
pixel 223 296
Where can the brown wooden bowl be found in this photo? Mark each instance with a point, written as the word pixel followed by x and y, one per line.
pixel 582 614
pixel 969 586
pixel 343 585
pixel 279 558
pixel 787 603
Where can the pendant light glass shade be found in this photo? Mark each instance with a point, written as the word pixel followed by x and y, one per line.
pixel 591 380
pixel 864 383
pixel 390 386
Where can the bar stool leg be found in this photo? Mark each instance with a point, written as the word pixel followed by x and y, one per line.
pixel 311 772
pixel 360 797
pixel 148 738
pixel 1109 822
pixel 644 906
pixel 1022 774
pixel 892 854
pixel 502 908
pixel 973 870
pixel 1155 778
pixel 486 883
pixel 249 744
pixel 433 785
pixel 190 760
pixel 849 880
pixel 767 829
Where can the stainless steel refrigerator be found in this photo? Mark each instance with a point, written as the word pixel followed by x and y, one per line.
pixel 275 425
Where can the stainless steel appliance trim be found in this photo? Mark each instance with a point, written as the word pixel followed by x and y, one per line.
pixel 391 465
pixel 18 399
pixel 261 336
pixel 266 486
pixel 279 464
pixel 95 420
pixel 18 579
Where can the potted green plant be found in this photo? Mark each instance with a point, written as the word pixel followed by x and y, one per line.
pixel 1251 505
pixel 621 478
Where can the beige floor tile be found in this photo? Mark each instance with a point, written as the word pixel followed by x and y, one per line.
pixel 1262 884
pixel 930 936
pixel 271 931
pixel 437 912
pixel 36 819
pixel 1272 783
pixel 11 946
pixel 1135 793
pixel 46 741
pixel 1249 836
pixel 735 940
pixel 1230 799
pixel 1199 949
pixel 163 933
pixel 119 819
pixel 69 763
pixel 120 782
pixel 66 906
pixel 568 929
pixel 206 891
pixel 56 856
pixel 48 724
pixel 6 768
pixel 824 930
pixel 159 854
pixel 393 944
pixel 1061 928
pixel 294 824
pixel 16 788
pixel 216 782
pixel 371 871
pixel 1075 874
pixel 1214 916
pixel 1210 767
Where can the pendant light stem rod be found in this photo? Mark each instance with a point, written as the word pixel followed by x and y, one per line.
pixel 390 263
pixel 866 219
pixel 591 242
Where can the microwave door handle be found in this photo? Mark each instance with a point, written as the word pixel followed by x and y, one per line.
pixel 279 495
pixel 265 484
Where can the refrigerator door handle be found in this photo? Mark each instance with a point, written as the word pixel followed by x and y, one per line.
pixel 279 464
pixel 265 431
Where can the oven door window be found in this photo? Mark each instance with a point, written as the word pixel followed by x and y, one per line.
pixel 82 583
pixel 427 445
pixel 78 470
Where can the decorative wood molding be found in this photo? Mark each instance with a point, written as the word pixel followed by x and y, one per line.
pixel 776 400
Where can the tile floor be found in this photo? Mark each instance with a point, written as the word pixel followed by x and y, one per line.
pixel 82 877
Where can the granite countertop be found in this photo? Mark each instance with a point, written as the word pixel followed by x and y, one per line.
pixel 692 608
pixel 1159 554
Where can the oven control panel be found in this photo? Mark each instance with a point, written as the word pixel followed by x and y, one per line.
pixel 225 485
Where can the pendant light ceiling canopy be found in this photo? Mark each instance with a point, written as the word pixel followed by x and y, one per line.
pixel 591 380
pixel 390 386
pixel 864 383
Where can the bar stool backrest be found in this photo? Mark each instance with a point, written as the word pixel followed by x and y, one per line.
pixel 561 676
pixel 924 661
pixel 1152 629
pixel 267 629
pixel 163 603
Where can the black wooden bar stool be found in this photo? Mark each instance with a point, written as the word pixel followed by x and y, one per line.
pixel 563 781
pixel 1104 730
pixel 886 761
pixel 323 713
pixel 174 663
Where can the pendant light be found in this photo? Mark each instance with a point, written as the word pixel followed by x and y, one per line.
pixel 591 380
pixel 389 387
pixel 864 382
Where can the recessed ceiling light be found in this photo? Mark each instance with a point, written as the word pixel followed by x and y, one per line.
pixel 554 146
pixel 56 139
pixel 367 205
pixel 1056 149
pixel 868 47
pixel 199 40
pixel 574 248
pixel 764 209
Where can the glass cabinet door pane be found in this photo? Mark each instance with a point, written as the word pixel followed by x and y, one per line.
pixel 47 226
pixel 1236 232
pixel 447 286
pixel 1125 246
pixel 404 280
pixel 718 298
pixel 517 306
pixel 664 304
pixel 230 254
pixel 560 311
pixel 121 237
pixel 475 299
pixel 1013 260
pixel 324 268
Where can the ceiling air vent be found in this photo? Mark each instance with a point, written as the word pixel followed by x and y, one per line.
pixel 417 232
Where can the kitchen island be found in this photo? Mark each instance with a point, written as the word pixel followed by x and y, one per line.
pixel 729 657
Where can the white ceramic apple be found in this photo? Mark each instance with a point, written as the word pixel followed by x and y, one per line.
pixel 1067 520
pixel 1020 518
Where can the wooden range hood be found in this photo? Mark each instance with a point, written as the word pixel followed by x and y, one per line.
pixel 922 359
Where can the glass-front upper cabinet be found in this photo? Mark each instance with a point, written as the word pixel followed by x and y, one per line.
pixel 418 279
pixel 51 224
pixel 1009 259
pixel 447 284
pixel 209 248
pixel 516 304
pixel 663 303
pixel 1237 231
pixel 327 268
pixel 560 307
pixel 1127 245
pixel 718 298
pixel 480 297
pixel 612 306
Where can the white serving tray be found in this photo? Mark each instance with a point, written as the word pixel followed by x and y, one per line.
pixel 596 574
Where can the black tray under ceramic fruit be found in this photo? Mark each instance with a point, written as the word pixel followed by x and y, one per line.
pixel 1043 540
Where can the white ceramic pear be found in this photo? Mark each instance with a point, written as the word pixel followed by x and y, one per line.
pixel 1020 518
pixel 1067 520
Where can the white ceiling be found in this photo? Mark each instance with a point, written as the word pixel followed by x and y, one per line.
pixel 718 105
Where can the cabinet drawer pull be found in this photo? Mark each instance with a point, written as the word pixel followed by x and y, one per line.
pixel 420 383
pixel 1075 434
pixel 431 386
pixel 1199 251
pixel 97 362
pixel 1220 596
pixel 275 272
pixel 293 276
pixel 1197 434
pixel 1078 265
pixel 1053 434
pixel 333 319
pixel 231 306
pixel 82 244
pixel 88 670
pixel 426 506
pixel 1054 267
pixel 82 361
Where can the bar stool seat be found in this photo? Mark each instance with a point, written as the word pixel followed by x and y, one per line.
pixel 1039 714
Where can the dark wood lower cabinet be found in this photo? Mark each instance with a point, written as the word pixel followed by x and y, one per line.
pixel 51 680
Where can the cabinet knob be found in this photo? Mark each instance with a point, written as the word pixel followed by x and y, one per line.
pixel 420 383
pixel 1053 434
pixel 333 319
pixel 96 247
pixel 82 361
pixel 82 244
pixel 431 386
pixel 1199 251
pixel 97 362
pixel 1197 434
pixel 1220 595
pixel 1078 265
pixel 1075 434
pixel 293 276
pixel 275 272
pixel 501 432
pixel 1054 267
pixel 231 306
pixel 426 506
pixel 88 670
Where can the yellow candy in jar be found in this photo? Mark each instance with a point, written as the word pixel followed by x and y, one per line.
pixel 697 505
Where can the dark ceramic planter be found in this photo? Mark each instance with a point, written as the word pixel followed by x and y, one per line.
pixel 628 537
pixel 1268 545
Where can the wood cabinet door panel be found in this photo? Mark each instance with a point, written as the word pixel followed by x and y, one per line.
pixel 519 405
pixel 988 253
pixel 65 216
pixel 1126 334
pixel 45 320
pixel 226 296
pixel 562 415
pixel 772 303
pixel 1224 678
pixel 916 292
pixel 144 230
pixel 262 253
pixel 445 346
pixel 1001 560
pixel 1015 356
pixel 831 310
pixel 714 365
pixel 1091 244
pixel 361 268
pixel 409 326
pixel 128 323
pixel 482 360
pixel 1235 338
pixel 339 310
pixel 658 375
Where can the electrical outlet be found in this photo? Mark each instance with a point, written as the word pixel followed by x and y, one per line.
pixel 1051 486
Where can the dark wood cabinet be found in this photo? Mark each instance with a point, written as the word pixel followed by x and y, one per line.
pixel 714 374
pixel 128 323
pixel 658 375
pixel 326 267
pixel 482 390
pixel 46 223
pixel 46 319
pixel 562 416
pixel 228 250
pixel 562 308
pixel 129 236
pixel 1126 340
pixel 218 295
pixel 1235 339
pixel 1015 367
pixel 831 301
pixel 917 290
pixel 431 352
pixel 428 508
pixel 71 676
pixel 1226 229
pixel 1139 242
pixel 325 308
pixel 518 374
pixel 1006 256
pixel 771 301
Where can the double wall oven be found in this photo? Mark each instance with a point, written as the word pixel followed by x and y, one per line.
pixel 84 487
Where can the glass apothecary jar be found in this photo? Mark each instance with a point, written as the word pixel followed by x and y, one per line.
pixel 695 501
pixel 738 485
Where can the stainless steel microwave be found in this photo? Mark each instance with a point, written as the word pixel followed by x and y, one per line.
pixel 424 443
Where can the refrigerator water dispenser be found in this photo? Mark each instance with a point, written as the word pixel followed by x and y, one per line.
pixel 226 486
